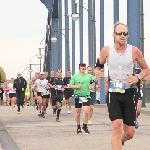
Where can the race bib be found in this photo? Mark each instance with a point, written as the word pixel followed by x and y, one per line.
pixel 82 99
pixel 118 87
pixel 58 87
pixel 43 93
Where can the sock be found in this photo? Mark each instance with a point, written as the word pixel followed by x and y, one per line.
pixel 58 112
pixel 85 125
pixel 78 126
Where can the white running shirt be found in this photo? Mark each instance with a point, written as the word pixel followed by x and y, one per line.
pixel 11 89
pixel 41 85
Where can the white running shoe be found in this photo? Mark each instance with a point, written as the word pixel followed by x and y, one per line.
pixel 69 112
pixel 89 122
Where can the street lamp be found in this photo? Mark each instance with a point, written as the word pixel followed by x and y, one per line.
pixel 40 57
pixel 30 71
pixel 54 39
pixel 75 15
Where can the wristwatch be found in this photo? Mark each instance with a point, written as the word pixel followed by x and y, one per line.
pixel 139 77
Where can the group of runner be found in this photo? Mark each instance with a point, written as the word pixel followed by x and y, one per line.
pixel 124 88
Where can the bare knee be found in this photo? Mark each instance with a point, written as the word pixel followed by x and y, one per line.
pixel 117 127
pixel 78 113
pixel 86 112
pixel 129 132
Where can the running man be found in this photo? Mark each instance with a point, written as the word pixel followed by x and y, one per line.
pixel 139 96
pixel 57 93
pixel 80 83
pixel 68 92
pixel 1 96
pixel 20 85
pixel 40 86
pixel 120 99
pixel 92 94
pixel 12 94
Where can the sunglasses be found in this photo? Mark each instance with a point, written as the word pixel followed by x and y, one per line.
pixel 120 33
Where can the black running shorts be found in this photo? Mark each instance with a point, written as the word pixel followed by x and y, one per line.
pixel 79 105
pixel 67 95
pixel 122 106
pixel 40 94
pixel 11 95
pixel 56 98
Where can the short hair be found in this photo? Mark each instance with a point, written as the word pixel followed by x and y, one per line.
pixel 89 66
pixel 118 23
pixel 59 69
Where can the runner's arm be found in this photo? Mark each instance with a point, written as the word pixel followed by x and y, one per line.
pixel 141 61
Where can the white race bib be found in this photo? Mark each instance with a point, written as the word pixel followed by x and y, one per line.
pixel 118 87
pixel 82 99
pixel 58 87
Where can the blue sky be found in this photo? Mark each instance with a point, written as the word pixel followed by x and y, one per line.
pixel 23 26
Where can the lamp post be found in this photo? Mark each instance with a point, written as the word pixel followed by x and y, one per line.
pixel 75 16
pixel 40 57
pixel 30 71
pixel 54 38
pixel 67 60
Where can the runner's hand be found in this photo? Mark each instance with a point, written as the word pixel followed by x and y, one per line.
pixel 79 86
pixel 130 79
pixel 53 86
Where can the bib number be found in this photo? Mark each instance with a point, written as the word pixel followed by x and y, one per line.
pixel 44 93
pixel 58 87
pixel 82 99
pixel 118 87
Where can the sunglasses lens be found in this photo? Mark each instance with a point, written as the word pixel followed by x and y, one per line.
pixel 120 33
pixel 125 33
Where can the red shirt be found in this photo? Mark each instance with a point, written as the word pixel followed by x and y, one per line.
pixel 6 87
